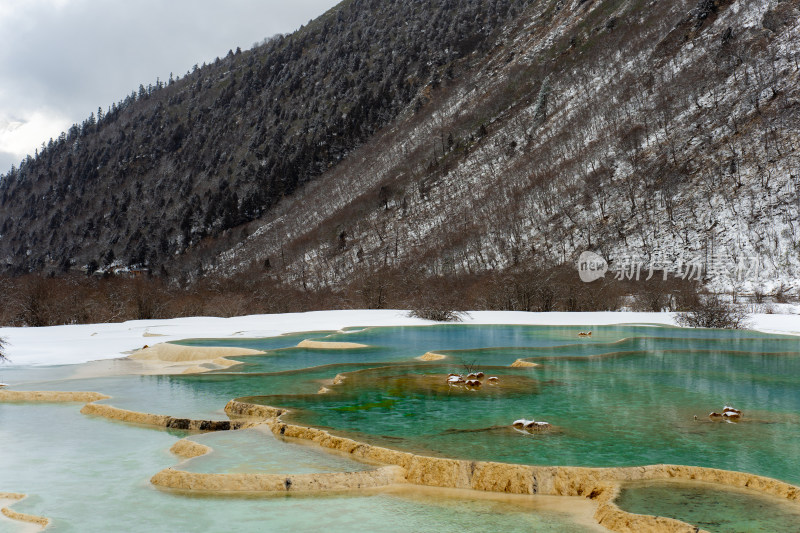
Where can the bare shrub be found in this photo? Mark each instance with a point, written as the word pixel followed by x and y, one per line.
pixel 41 301
pixel 758 295
pixel 687 296
pixel 653 295
pixel 524 290
pixel 605 294
pixel 437 314
pixel 6 310
pixel 225 305
pixel 147 300
pixel 470 367
pixel 3 344
pixel 781 294
pixel 544 289
pixel 437 298
pixel 374 290
pixel 657 294
pixel 713 312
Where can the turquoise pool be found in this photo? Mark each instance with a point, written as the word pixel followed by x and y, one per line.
pixel 626 396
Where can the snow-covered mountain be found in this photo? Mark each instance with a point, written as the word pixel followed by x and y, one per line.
pixel 487 135
pixel 659 133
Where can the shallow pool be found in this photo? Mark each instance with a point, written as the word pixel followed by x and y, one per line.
pixel 711 507
pixel 91 474
pixel 626 396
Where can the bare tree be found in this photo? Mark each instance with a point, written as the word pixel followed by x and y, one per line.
pixel 3 344
pixel 470 366
pixel 713 312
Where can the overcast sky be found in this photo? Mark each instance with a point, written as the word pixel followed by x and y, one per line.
pixel 62 59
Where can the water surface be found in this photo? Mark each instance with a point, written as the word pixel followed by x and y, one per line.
pixel 714 508
pixel 626 396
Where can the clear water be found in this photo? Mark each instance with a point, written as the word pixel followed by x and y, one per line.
pixel 264 344
pixel 257 450
pixel 713 508
pixel 91 474
pixel 627 396
pixel 635 406
pixel 494 345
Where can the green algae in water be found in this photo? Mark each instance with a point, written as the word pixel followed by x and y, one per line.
pixel 634 409
pixel 625 397
pixel 712 507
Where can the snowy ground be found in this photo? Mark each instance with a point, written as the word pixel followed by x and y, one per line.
pixel 81 343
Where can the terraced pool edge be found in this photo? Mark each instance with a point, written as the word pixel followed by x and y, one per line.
pixel 601 485
pixel 21 517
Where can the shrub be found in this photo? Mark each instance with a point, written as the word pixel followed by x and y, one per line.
pixel 712 312
pixel 758 295
pixel 470 366
pixel 653 295
pixel 659 294
pixel 437 313
pixel 781 294
pixel 3 343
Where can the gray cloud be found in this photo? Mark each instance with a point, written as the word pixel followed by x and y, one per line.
pixel 61 59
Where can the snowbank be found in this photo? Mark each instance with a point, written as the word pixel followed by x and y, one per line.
pixel 58 345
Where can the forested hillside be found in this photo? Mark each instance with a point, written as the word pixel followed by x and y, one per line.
pixel 659 132
pixel 178 162
pixel 444 138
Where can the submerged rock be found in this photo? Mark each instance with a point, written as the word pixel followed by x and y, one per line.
pixel 520 424
pixel 728 414
pixel 538 427
pixel 454 379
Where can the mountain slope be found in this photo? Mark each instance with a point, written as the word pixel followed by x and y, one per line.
pixel 482 136
pixel 655 133
pixel 172 165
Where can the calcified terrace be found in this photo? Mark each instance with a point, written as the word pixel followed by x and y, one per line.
pixel 538 366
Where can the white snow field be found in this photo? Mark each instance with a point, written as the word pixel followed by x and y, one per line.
pixel 74 344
